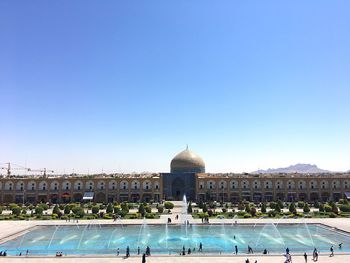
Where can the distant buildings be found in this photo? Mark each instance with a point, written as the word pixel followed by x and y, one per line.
pixel 187 176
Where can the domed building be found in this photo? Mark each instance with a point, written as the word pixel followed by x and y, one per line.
pixel 182 177
pixel 187 162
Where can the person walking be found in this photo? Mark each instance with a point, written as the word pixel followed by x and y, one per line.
pixel 143 258
pixel 118 251
pixel 138 250
pixel 332 251
pixel 305 257
pixel 200 247
pixel 236 249
pixel 127 254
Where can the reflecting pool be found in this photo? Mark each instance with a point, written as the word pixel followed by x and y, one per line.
pixel 170 239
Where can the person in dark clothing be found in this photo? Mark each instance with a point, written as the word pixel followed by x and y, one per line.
pixel 138 250
pixel 127 254
pixel 332 251
pixel 305 257
pixel 265 251
pixel 340 245
pixel 287 250
pixel 250 250
pixel 236 249
pixel 183 250
pixel 143 258
pixel 200 247
pixel 189 251
pixel 148 251
pixel 247 260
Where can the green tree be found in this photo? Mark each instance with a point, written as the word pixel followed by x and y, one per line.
pixel 39 210
pixel 56 210
pixel 66 210
pixel 306 208
pixel 205 208
pixel 109 208
pixel 321 207
pixel 95 209
pixel 189 208
pixel 263 208
pixel 292 208
pixel 160 209
pixel 247 208
pixel 16 210
pixel 142 210
pixel 168 205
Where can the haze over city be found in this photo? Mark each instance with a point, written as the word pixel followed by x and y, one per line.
pixel 87 87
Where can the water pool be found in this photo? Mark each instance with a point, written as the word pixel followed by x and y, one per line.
pixel 164 239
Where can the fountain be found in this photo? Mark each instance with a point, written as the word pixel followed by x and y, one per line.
pixel 271 234
pixel 184 214
pixel 143 233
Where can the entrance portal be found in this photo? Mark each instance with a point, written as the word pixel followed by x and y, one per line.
pixel 178 187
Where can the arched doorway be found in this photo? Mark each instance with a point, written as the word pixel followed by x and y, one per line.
pixel 177 188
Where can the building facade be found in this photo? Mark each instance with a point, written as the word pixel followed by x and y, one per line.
pixel 187 177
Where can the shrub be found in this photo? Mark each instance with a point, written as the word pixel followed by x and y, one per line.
pixel 210 212
pixel 148 209
pixel 263 208
pixel 240 206
pixel 335 209
pixel 292 208
pixel 160 209
pixel 67 210
pixel 95 209
pixel 16 210
pixel 301 204
pixel 247 208
pixel 230 214
pixel 224 210
pixel 344 208
pixel 306 208
pixel 321 207
pixel 253 211
pixel 327 208
pixel 205 208
pixel 109 208
pixel 39 210
pixel 150 215
pixel 78 212
pixel 168 205
pixel 316 204
pixel 56 210
pixel 202 215
pixel 272 213
pixel 246 215
pixel 124 206
pixel 272 205
pixel 142 210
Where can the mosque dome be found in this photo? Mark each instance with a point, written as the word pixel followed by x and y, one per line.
pixel 187 162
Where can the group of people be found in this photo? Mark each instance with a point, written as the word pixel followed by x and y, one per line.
pixel 3 253
pixel 127 252
pixel 59 254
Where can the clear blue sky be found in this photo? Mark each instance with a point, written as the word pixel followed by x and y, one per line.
pixel 125 85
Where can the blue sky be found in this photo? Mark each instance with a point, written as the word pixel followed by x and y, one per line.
pixel 124 85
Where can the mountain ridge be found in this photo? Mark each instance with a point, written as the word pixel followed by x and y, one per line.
pixel 296 168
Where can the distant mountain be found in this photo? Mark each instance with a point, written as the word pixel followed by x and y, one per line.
pixel 297 168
